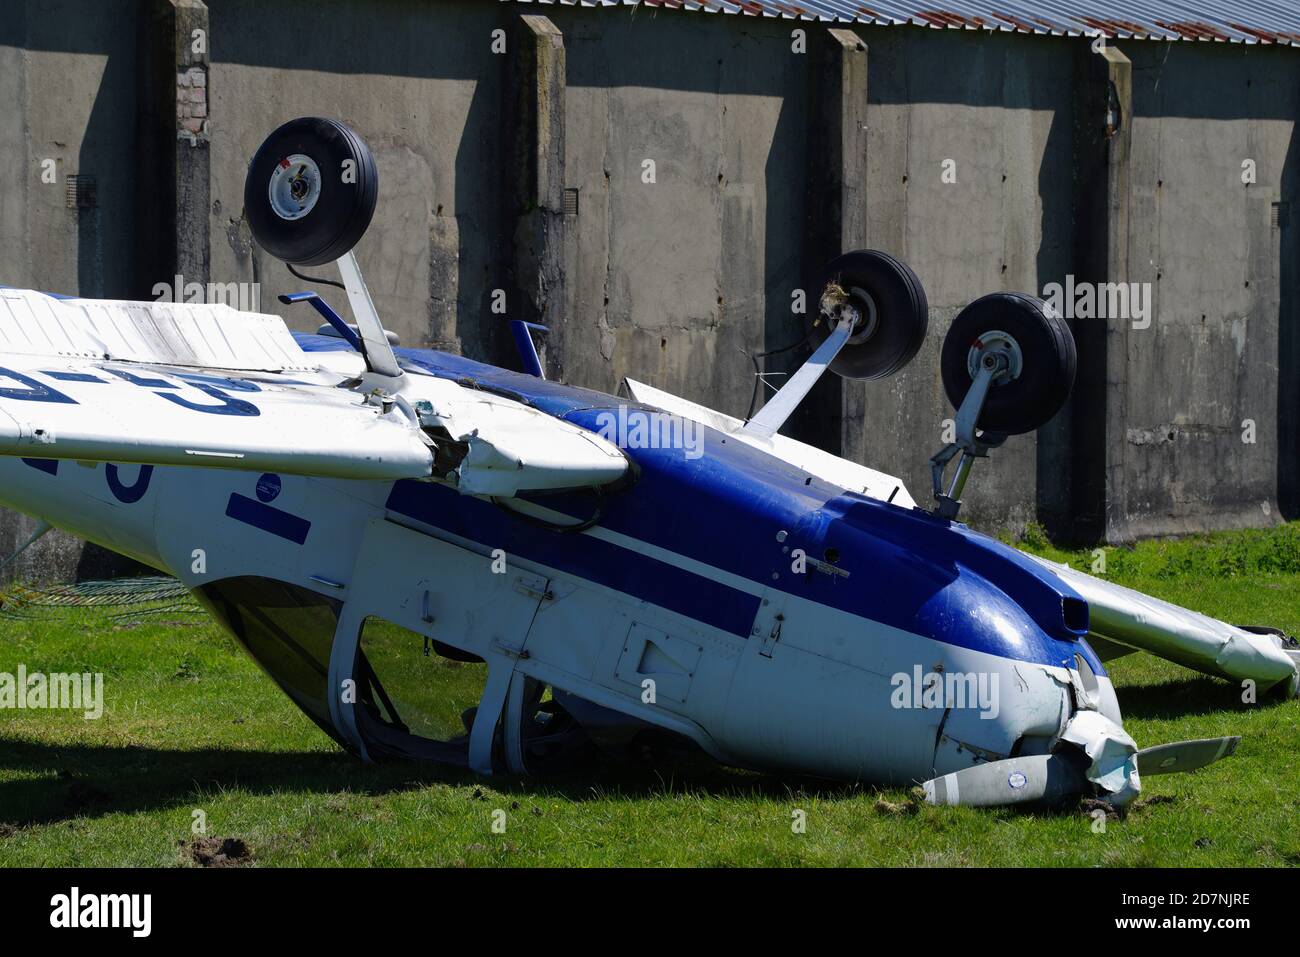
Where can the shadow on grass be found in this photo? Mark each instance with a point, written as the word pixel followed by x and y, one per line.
pixel 1187 696
pixel 71 781
pixel 61 782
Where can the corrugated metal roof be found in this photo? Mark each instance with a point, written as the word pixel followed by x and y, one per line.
pixel 1227 21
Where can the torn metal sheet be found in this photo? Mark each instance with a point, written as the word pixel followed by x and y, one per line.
pixel 490 445
pixel 1112 752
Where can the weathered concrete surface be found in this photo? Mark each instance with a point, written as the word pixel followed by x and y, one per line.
pixel 67 85
pixel 673 272
pixel 69 94
pixel 533 181
pixel 428 99
pixel 836 204
pixel 993 115
pixel 686 157
pixel 174 158
pixel 1207 368
pixel 1078 442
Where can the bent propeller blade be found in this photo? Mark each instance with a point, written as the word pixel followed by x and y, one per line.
pixel 1179 756
pixel 1035 777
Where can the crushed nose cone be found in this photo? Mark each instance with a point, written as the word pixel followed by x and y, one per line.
pixel 1036 777
pixel 1112 753
pixel 1104 763
pixel 1182 756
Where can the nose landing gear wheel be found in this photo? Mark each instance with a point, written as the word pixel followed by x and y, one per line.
pixel 892 310
pixel 1040 355
pixel 310 191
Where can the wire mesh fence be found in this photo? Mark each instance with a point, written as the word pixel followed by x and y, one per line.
pixel 122 599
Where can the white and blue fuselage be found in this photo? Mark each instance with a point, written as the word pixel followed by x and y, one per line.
pixel 776 619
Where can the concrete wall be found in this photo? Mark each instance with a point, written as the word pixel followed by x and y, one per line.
pixel 427 97
pixel 996 110
pixel 1206 242
pixel 668 282
pixel 68 85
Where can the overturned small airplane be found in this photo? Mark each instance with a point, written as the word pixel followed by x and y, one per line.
pixel 440 559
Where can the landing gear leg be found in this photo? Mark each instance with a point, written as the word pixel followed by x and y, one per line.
pixel 488 715
pixel 970 442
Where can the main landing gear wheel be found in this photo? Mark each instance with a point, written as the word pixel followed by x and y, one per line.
pixel 892 310
pixel 310 191
pixel 1040 354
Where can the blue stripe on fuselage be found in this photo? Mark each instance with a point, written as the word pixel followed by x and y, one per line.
pixel 725 508
pixel 268 518
pixel 48 466
pixel 589 558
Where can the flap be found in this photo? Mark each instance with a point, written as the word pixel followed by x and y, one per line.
pixel 502 447
pixel 185 334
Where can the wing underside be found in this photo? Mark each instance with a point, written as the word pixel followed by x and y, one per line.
pixel 186 385
pixel 1123 620
pixel 209 386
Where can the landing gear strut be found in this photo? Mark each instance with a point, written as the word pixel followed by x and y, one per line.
pixel 970 442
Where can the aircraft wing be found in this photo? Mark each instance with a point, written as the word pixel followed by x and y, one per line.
pixel 1122 620
pixel 187 385
pixel 165 415
pixel 208 385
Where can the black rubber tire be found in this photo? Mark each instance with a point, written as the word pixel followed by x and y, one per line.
pixel 343 210
pixel 903 315
pixel 1048 356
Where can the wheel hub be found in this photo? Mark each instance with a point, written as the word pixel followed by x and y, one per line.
pixel 984 348
pixel 867 316
pixel 295 186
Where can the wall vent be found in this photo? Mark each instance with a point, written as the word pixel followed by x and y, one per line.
pixel 82 193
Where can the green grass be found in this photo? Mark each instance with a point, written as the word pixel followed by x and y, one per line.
pixel 191 724
pixel 432 693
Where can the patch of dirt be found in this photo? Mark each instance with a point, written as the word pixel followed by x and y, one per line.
pixel 186 671
pixel 216 851
pixel 1089 805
